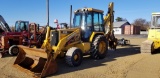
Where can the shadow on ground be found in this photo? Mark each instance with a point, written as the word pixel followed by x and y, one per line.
pixel 90 63
pixel 6 55
pixel 157 51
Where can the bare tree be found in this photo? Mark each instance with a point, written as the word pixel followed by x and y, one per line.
pixel 141 22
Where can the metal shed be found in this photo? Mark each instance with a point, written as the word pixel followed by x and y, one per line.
pixel 132 29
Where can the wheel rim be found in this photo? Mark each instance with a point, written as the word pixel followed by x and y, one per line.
pixel 76 57
pixel 15 50
pixel 102 47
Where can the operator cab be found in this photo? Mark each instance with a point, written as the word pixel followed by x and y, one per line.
pixel 21 26
pixel 33 27
pixel 64 25
pixel 89 20
pixel 155 20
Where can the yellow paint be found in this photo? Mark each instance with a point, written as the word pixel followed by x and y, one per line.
pixel 154 35
pixel 93 35
pixel 102 47
pixel 85 47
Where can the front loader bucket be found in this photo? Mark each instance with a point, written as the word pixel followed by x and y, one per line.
pixel 35 62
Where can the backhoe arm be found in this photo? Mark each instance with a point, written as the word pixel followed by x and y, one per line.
pixel 4 25
pixel 109 19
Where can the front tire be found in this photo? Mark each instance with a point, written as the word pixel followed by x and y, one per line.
pixel 99 47
pixel 74 57
pixel 14 50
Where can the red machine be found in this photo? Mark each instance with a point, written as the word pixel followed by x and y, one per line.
pixel 25 34
pixel 9 39
pixel 36 35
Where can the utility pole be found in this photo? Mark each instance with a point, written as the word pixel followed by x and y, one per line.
pixel 70 16
pixel 47 12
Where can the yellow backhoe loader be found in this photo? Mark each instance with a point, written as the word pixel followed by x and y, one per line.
pixel 88 35
pixel 153 41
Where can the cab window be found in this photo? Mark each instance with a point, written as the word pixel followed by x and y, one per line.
pixel 77 20
pixel 98 21
pixel 89 19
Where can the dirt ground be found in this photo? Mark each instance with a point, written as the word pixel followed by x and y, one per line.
pixel 126 62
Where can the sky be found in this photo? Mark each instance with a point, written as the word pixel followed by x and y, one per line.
pixel 35 10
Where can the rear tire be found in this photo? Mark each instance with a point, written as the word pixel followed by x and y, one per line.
pixel 99 47
pixel 74 57
pixel 14 50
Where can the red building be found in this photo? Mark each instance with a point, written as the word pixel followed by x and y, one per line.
pixel 132 29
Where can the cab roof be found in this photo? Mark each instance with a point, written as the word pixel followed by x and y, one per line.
pixel 88 10
pixel 156 13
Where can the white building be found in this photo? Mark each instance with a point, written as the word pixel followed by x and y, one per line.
pixel 118 27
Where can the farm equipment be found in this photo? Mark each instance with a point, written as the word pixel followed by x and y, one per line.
pixel 20 35
pixel 10 38
pixel 153 41
pixel 64 25
pixel 88 37
pixel 61 25
pixel 123 42
pixel 35 36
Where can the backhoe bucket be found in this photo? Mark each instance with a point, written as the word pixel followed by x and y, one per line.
pixel 35 62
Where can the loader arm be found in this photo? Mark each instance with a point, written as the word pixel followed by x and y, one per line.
pixel 58 49
pixel 46 41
